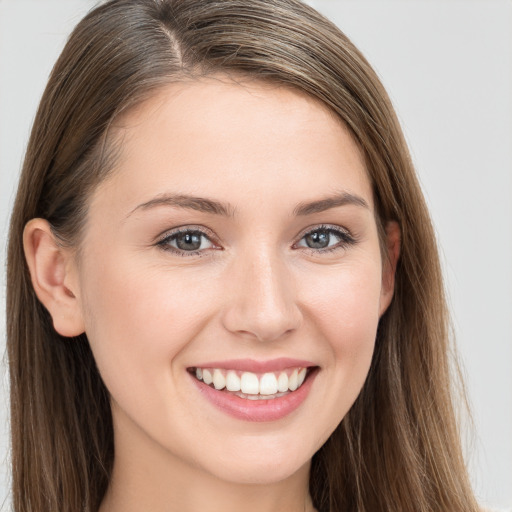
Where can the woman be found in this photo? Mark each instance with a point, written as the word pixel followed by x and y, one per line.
pixel 232 295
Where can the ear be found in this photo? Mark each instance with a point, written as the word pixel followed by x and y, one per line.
pixel 54 277
pixel 389 265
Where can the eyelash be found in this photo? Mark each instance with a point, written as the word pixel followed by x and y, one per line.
pixel 346 240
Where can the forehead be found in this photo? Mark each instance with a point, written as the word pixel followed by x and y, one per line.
pixel 224 137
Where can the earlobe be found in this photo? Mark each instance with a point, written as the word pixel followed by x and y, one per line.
pixel 393 242
pixel 53 276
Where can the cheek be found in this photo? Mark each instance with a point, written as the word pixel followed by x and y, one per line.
pixel 346 302
pixel 345 309
pixel 139 318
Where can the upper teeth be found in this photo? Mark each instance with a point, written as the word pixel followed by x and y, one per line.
pixel 250 383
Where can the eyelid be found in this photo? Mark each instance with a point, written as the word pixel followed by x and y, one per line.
pixel 325 227
pixel 184 229
pixel 347 238
pixel 162 239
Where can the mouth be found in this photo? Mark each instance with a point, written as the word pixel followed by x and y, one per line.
pixel 254 395
pixel 253 386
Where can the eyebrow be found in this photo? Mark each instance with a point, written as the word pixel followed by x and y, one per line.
pixel 201 204
pixel 321 205
pixel 205 205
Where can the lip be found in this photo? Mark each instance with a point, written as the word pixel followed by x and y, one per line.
pixel 257 410
pixel 254 366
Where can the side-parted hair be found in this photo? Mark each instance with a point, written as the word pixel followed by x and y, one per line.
pixel 398 448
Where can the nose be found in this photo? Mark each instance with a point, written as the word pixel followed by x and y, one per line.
pixel 262 301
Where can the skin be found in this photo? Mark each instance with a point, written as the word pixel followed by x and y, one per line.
pixel 256 291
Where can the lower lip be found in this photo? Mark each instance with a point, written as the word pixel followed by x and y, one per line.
pixel 257 410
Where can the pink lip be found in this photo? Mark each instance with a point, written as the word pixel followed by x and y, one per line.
pixel 251 365
pixel 257 410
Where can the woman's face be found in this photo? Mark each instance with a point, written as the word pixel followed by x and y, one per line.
pixel 235 241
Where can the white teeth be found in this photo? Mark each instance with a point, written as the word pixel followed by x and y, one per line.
pixel 301 376
pixel 292 380
pixel 268 384
pixel 282 382
pixel 232 381
pixel 207 377
pixel 219 381
pixel 249 383
pixel 260 397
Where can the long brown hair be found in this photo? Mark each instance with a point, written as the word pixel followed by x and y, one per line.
pixel 398 448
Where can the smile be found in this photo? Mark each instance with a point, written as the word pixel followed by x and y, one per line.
pixel 270 392
pixel 251 385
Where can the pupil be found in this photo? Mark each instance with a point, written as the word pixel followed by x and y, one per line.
pixel 189 241
pixel 318 239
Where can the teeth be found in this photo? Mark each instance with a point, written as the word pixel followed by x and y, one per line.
pixel 260 397
pixel 268 384
pixel 292 380
pixel 249 385
pixel 301 376
pixel 233 381
pixel 219 381
pixel 207 377
pixel 282 382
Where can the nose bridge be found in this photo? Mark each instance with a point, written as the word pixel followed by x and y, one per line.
pixel 262 301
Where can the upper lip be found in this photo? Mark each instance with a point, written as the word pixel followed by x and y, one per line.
pixel 252 365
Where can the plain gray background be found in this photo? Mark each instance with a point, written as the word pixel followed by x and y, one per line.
pixel 447 65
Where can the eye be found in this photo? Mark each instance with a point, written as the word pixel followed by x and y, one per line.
pixel 326 239
pixel 186 242
pixel 196 242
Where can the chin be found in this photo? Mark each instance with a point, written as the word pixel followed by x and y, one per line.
pixel 260 474
pixel 263 467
